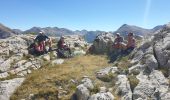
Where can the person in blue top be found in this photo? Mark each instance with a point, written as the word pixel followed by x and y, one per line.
pixel 42 40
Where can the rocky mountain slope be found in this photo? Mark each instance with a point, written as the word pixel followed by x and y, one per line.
pixel 16 63
pixel 5 32
pixel 142 75
pixel 51 31
pixel 125 29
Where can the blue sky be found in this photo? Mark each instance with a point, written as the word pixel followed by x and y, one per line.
pixel 107 15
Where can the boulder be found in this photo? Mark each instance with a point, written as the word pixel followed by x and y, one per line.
pixel 106 73
pixel 102 95
pixel 57 61
pixel 165 96
pixel 82 93
pixel 103 43
pixel 7 87
pixel 87 83
pixel 4 75
pixel 123 88
pixel 150 85
pixel 151 62
pixel 79 52
pixel 161 50
pixel 46 57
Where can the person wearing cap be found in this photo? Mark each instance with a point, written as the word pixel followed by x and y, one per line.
pixel 118 42
pixel 62 46
pixel 42 40
pixel 131 43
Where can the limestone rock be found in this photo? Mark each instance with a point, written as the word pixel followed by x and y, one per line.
pixel 46 57
pixel 104 74
pixel 102 95
pixel 7 87
pixel 149 84
pixel 87 83
pixel 57 61
pixel 103 43
pixel 123 88
pixel 79 52
pixel 151 62
pixel 4 75
pixel 82 93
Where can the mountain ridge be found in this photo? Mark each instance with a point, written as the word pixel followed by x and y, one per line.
pixel 88 35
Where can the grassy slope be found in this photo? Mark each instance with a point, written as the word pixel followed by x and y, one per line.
pixel 46 81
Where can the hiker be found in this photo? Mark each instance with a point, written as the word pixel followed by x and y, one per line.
pixel 41 40
pixel 118 42
pixel 62 46
pixel 131 43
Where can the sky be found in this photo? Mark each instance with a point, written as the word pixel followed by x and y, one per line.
pixel 106 15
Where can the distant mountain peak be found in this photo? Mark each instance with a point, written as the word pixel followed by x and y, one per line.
pixel 5 31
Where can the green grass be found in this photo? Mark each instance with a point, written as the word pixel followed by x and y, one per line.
pixel 48 79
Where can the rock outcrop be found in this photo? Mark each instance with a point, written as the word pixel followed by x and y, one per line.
pixel 103 43
pixel 15 61
pixel 152 59
pixel 83 92
pixel 7 87
pixel 147 77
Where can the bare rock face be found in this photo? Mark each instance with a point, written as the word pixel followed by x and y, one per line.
pixel 123 88
pixel 102 96
pixel 151 86
pixel 103 43
pixel 83 90
pixel 7 87
pixel 150 59
pixel 151 63
pixel 104 74
pixel 162 46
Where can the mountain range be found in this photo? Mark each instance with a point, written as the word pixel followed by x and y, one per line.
pixel 125 29
pixel 88 35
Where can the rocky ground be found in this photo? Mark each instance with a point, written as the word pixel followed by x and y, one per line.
pixel 142 75
pixel 16 63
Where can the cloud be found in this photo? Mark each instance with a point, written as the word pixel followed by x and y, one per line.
pixel 147 11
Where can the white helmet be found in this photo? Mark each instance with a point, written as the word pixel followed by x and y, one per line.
pixel 118 34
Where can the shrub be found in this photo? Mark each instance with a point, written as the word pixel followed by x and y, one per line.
pixel 165 71
pixel 133 81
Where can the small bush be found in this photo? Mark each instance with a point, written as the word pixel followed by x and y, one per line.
pixel 133 81
pixel 165 72
pixel 135 72
pixel 95 89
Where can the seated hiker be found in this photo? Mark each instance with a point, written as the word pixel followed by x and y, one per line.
pixel 62 46
pixel 41 41
pixel 131 43
pixel 118 42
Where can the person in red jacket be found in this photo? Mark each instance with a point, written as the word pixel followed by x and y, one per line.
pixel 131 44
pixel 42 40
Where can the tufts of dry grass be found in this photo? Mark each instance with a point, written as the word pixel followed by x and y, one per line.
pixel 133 81
pixel 47 81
